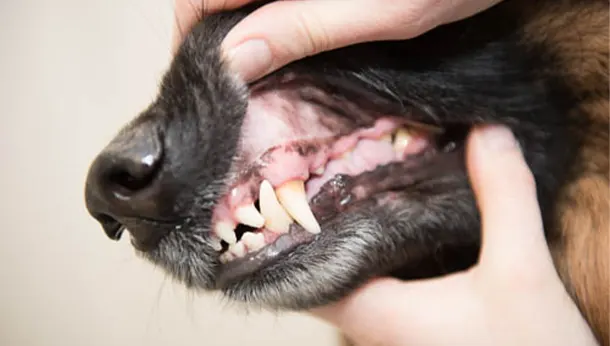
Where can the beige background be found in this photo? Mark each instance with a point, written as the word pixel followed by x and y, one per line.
pixel 72 72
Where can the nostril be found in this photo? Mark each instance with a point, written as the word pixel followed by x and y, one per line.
pixel 133 175
pixel 129 165
pixel 112 227
pixel 124 182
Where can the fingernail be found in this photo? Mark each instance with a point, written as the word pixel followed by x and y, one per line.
pixel 497 138
pixel 250 59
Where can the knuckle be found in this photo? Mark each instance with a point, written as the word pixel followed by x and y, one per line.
pixel 313 32
pixel 409 20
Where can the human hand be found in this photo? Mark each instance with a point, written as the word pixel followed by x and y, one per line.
pixel 284 31
pixel 513 296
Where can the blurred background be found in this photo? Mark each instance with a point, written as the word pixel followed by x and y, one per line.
pixel 71 73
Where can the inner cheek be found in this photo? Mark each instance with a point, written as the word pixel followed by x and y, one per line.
pixel 278 117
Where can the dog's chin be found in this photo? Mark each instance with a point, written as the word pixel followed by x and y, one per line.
pixel 323 194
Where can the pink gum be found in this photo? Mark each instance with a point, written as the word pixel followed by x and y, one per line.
pixel 293 166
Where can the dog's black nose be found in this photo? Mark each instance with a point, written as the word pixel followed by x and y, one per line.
pixel 123 187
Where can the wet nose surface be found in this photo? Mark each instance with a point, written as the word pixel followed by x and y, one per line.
pixel 122 188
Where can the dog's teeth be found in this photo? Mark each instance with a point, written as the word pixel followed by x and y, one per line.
pixel 215 243
pixel 293 198
pixel 226 231
pixel 401 140
pixel 249 216
pixel 254 241
pixel 386 138
pixel 238 249
pixel 226 257
pixel 319 171
pixel 276 218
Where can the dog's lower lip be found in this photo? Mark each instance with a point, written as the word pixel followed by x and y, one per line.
pixel 283 245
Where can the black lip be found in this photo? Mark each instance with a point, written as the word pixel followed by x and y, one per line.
pixel 283 245
pixel 113 228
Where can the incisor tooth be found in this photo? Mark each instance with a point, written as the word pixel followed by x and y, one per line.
pixel 226 257
pixel 319 171
pixel 292 196
pixel 215 243
pixel 254 241
pixel 226 232
pixel 277 219
pixel 401 140
pixel 249 216
pixel 238 249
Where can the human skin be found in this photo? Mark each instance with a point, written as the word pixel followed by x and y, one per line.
pixel 284 31
pixel 513 296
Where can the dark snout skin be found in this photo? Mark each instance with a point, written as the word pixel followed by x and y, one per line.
pixel 161 176
pixel 149 180
pixel 126 182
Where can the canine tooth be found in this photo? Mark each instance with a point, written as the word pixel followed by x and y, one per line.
pixel 238 249
pixel 226 232
pixel 401 140
pixel 277 219
pixel 248 215
pixel 292 196
pixel 387 137
pixel 254 241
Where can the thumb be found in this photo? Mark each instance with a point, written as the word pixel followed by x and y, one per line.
pixel 505 190
pixel 284 31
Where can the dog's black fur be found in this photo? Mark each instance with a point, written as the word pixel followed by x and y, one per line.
pixel 480 70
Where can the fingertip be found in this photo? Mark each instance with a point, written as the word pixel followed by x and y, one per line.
pixel 495 162
pixel 251 59
pixel 292 30
pixel 506 195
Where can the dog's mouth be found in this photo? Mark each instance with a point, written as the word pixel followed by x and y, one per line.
pixel 308 155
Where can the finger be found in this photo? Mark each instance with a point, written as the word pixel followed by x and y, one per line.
pixel 284 31
pixel 189 12
pixel 386 311
pixel 506 195
pixel 186 14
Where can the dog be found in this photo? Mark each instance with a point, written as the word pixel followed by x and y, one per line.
pixel 291 191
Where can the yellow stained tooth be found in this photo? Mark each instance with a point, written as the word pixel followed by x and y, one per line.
pixel 254 241
pixel 387 137
pixel 226 231
pixel 277 219
pixel 319 171
pixel 401 140
pixel 249 216
pixel 293 198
